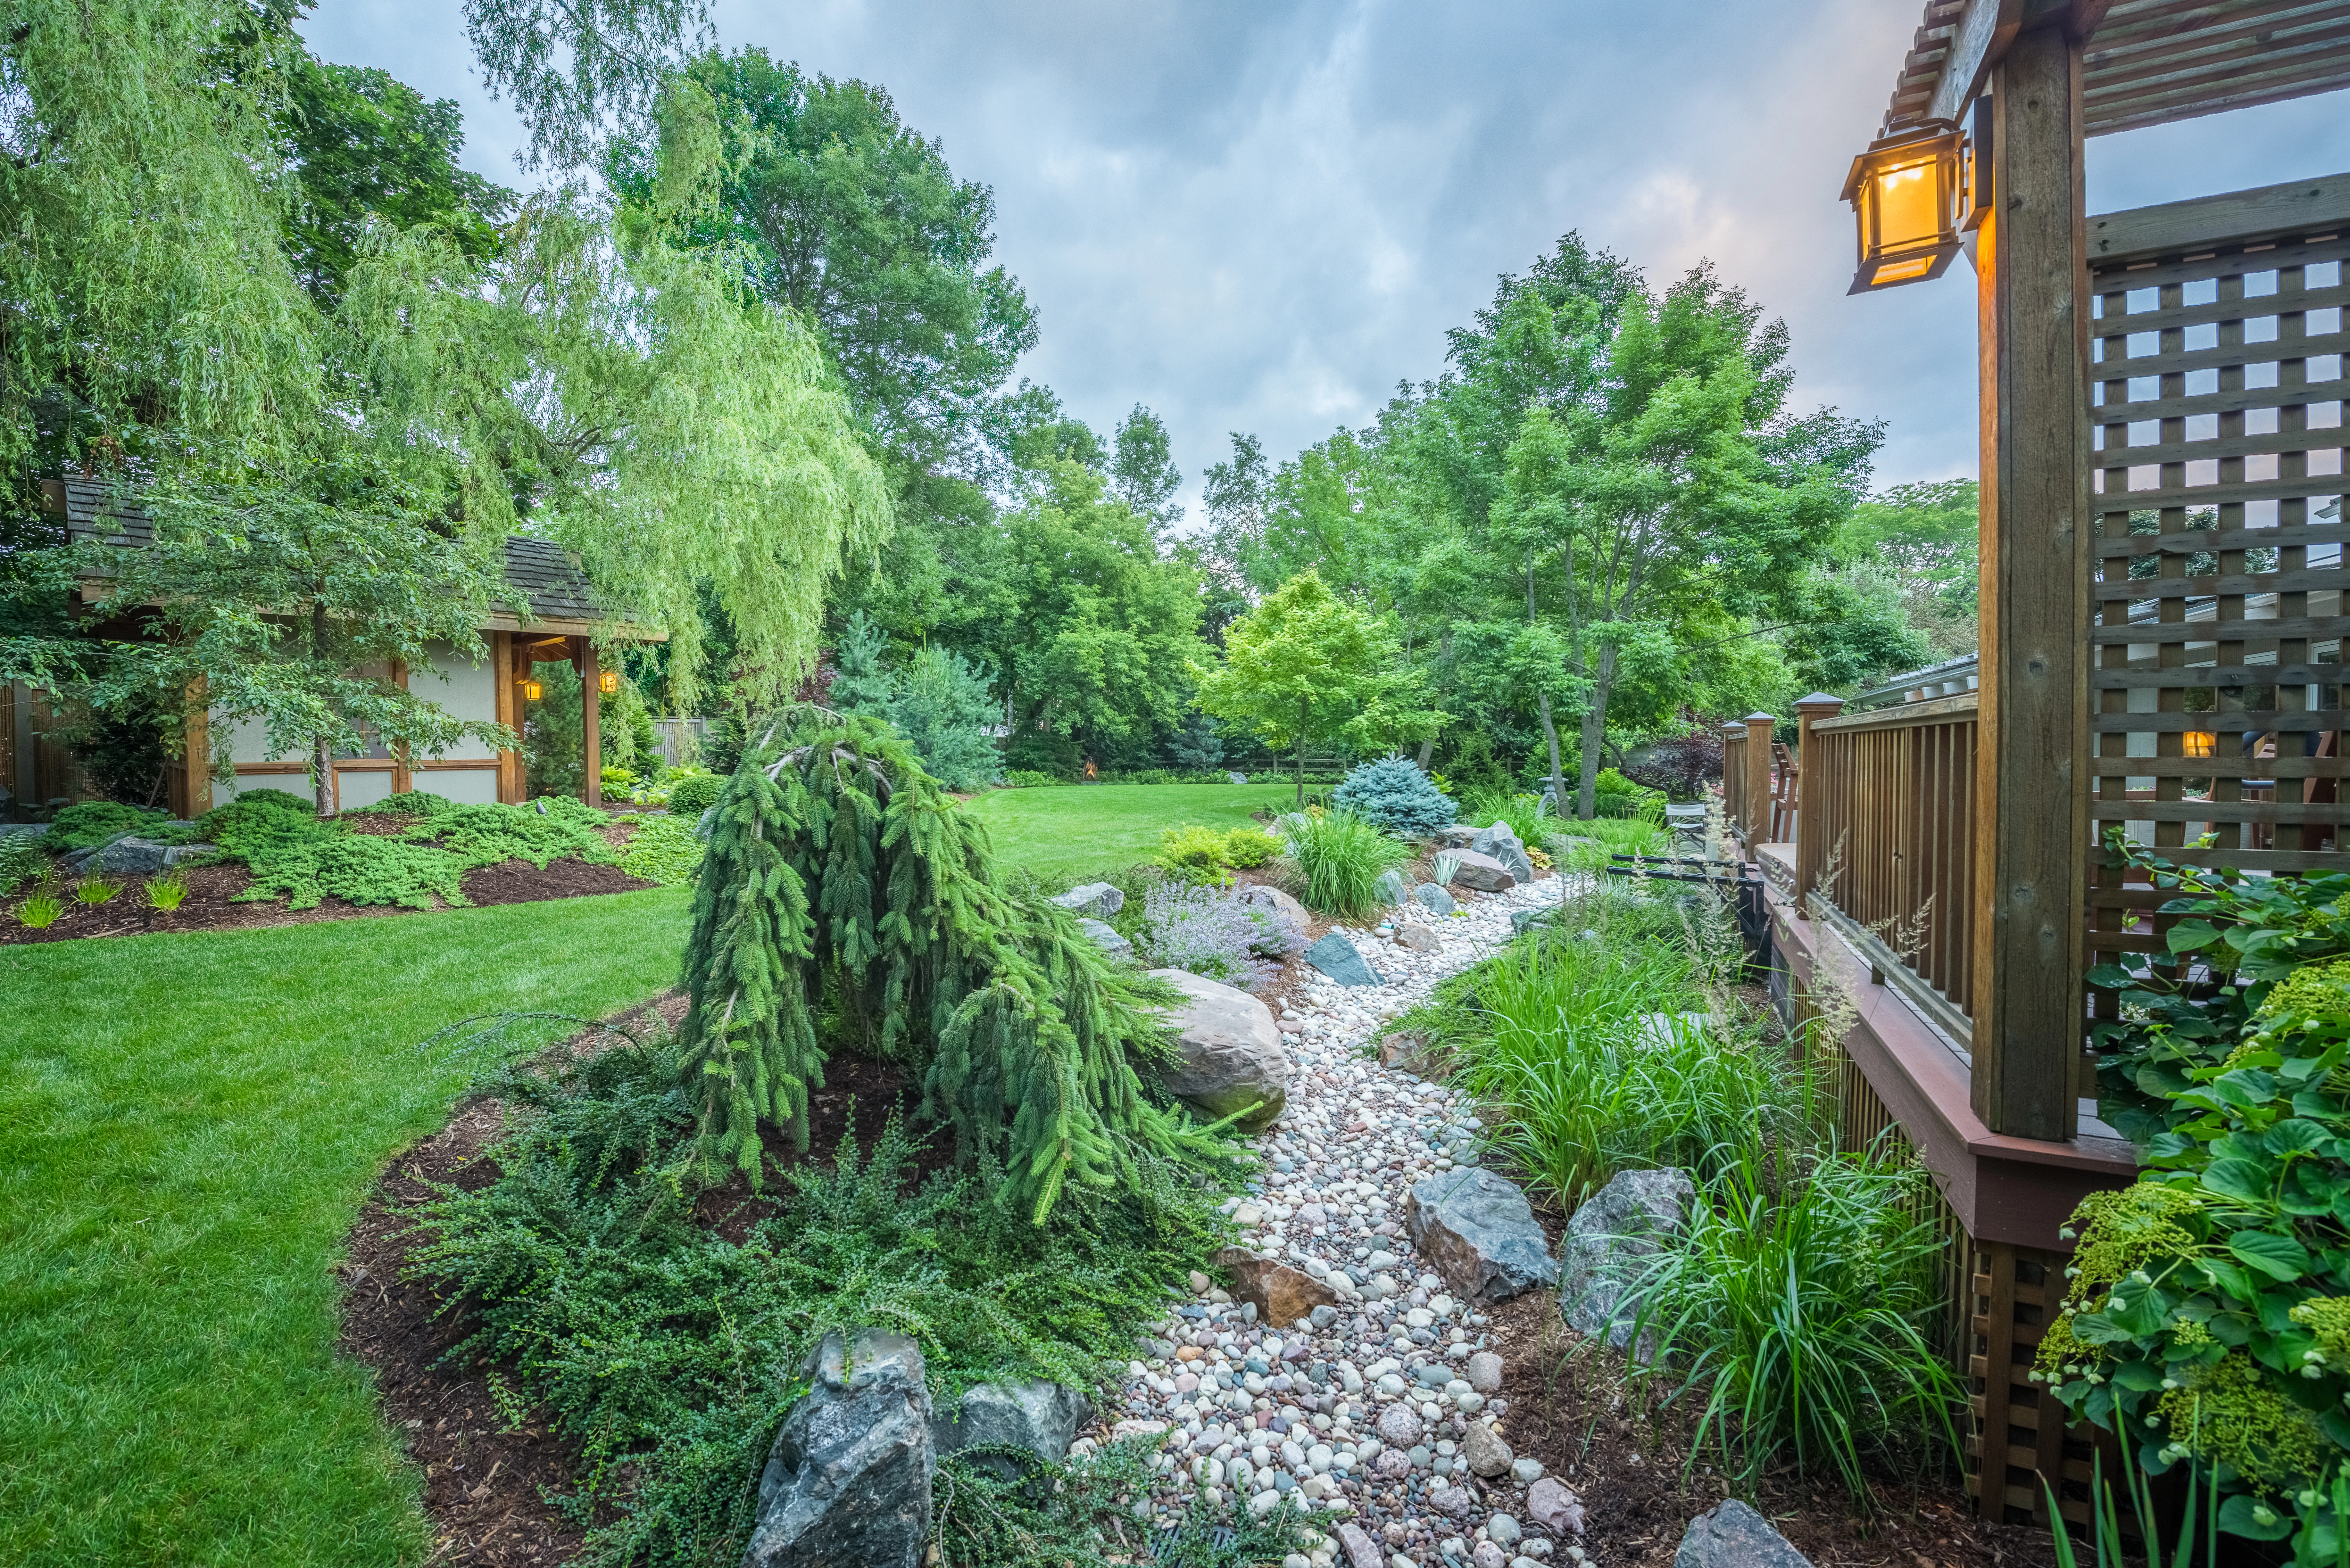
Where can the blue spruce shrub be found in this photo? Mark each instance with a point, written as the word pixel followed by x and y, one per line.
pixel 1397 795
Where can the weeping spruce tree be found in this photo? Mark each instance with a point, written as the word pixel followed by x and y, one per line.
pixel 847 902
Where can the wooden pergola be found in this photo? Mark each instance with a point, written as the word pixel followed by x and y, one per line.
pixel 2162 629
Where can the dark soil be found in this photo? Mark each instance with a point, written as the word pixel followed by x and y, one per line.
pixel 486 1488
pixel 211 889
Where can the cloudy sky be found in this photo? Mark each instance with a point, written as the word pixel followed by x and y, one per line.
pixel 1260 214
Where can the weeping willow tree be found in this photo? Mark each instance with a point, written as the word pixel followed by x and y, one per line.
pixel 847 903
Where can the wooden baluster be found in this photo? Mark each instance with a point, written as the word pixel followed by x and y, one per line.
pixel 1811 808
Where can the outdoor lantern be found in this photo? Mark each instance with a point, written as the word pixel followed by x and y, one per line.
pixel 1907 193
pixel 608 682
pixel 532 691
pixel 2202 743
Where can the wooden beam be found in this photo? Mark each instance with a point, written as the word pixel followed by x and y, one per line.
pixel 591 736
pixel 1984 34
pixel 2030 762
pixel 2296 207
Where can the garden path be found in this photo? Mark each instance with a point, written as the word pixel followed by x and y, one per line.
pixel 1366 1415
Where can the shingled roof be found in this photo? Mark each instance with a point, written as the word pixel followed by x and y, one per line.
pixel 543 574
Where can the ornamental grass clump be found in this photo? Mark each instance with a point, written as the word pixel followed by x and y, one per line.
pixel 1335 858
pixel 1393 793
pixel 848 903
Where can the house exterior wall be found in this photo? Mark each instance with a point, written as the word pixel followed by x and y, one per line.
pixel 467 772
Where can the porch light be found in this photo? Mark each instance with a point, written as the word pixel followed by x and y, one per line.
pixel 2202 743
pixel 1908 194
pixel 532 691
pixel 608 682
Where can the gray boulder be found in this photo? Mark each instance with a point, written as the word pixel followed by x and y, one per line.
pixel 1231 1054
pixel 849 1480
pixel 1433 899
pixel 1040 1416
pixel 1237 778
pixel 1389 887
pixel 1335 956
pixel 1521 920
pixel 128 854
pixel 1481 872
pixel 1455 837
pixel 1099 900
pixel 1610 1241
pixel 1501 843
pixel 1105 937
pixel 1478 1233
pixel 1276 899
pixel 1733 1535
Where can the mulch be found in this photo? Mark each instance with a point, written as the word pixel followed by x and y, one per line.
pixel 490 1491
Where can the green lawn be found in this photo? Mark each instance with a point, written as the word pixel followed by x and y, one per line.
pixel 188 1125
pixel 1072 833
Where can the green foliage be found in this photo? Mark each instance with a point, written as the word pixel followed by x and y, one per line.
pixel 2187 1006
pixel 1335 859
pixel 690 798
pixel 2209 1310
pixel 357 869
pixel 1527 815
pixel 550 828
pixel 1397 796
pixel 90 891
pixel 415 802
pixel 840 878
pixel 1027 778
pixel 1803 1316
pixel 22 859
pixel 938 702
pixel 663 849
pixel 39 910
pixel 1589 846
pixel 1615 795
pixel 1085 1511
pixel 670 1353
pixel 165 893
pixel 1205 854
pixel 93 822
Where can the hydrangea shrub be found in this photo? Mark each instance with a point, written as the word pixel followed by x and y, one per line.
pixel 1394 795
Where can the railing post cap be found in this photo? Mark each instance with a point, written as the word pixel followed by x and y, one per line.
pixel 1732 726
pixel 1760 719
pixel 1818 700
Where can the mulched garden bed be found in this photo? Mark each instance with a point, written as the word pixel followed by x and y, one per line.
pixel 486 1488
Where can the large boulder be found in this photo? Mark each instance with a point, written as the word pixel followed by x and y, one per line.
pixel 130 855
pixel 1457 836
pixel 1105 936
pixel 1478 1233
pixel 1283 1296
pixel 1389 887
pixel 1038 1416
pixel 1433 899
pixel 1733 1535
pixel 1336 957
pixel 1610 1241
pixel 1231 1053
pixel 1482 873
pixel 849 1480
pixel 1099 900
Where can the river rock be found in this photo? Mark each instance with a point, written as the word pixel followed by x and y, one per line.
pixel 1610 1240
pixel 1433 899
pixel 1099 900
pixel 1551 1504
pixel 1402 1049
pixel 1038 1416
pixel 1335 956
pixel 1389 887
pixel 1420 938
pixel 1482 873
pixel 1487 1454
pixel 1361 1551
pixel 1485 1372
pixel 1231 1054
pixel 849 1479
pixel 1281 1294
pixel 1733 1535
pixel 1105 937
pixel 1399 1427
pixel 1478 1233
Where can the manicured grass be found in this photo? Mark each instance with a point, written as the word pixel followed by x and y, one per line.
pixel 188 1126
pixel 1070 832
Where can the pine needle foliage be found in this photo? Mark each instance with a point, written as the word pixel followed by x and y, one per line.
pixel 846 898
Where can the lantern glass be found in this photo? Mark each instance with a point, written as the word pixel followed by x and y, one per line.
pixel 532 691
pixel 2202 743
pixel 608 682
pixel 1907 194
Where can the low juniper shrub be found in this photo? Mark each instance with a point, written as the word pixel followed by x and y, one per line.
pixel 1396 796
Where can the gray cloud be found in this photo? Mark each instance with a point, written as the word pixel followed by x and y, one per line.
pixel 1262 216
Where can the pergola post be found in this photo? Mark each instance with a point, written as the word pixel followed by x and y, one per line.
pixel 1758 781
pixel 591 738
pixel 2033 295
pixel 1810 797
pixel 504 679
pixel 1733 773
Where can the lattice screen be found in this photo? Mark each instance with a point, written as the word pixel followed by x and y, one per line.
pixel 2217 614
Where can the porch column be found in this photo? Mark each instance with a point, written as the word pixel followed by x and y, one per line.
pixel 2033 300
pixel 1734 774
pixel 504 675
pixel 1810 797
pixel 196 753
pixel 591 740
pixel 1758 781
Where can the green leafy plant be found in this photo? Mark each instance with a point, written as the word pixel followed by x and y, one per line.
pixel 493 834
pixel 1590 845
pixel 93 822
pixel 1203 854
pixel 1614 796
pixel 416 803
pixel 167 892
pixel 1335 859
pixel 1027 778
pixel 40 908
pixel 22 859
pixel 663 849
pixel 1525 813
pixel 694 794
pixel 1801 1317
pixel 359 868
pixel 95 890
pixel 2208 1307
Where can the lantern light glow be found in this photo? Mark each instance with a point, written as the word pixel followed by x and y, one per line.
pixel 2202 743
pixel 608 682
pixel 532 691
pixel 1908 193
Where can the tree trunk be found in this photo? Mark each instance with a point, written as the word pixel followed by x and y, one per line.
pixel 1301 759
pixel 1594 730
pixel 1550 734
pixel 1426 752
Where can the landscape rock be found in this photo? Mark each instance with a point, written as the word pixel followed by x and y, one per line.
pixel 1487 1454
pixel 1418 938
pixel 1733 1535
pixel 1484 839
pixel 1477 1231
pixel 1434 899
pixel 1361 1551
pixel 1389 887
pixel 1488 1555
pixel 1522 919
pixel 1282 1295
pixel 1335 956
pixel 1611 1238
pixel 1038 1416
pixel 1526 1469
pixel 1485 1372
pixel 1399 1427
pixel 1503 1529
pixel 1274 898
pixel 1099 900
pixel 124 852
pixel 1455 1500
pixel 1231 1054
pixel 1402 1049
pixel 1551 1504
pixel 1457 836
pixel 1482 873
pixel 1236 778
pixel 1105 937
pixel 849 1479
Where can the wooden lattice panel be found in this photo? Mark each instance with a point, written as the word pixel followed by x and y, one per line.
pixel 2216 613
